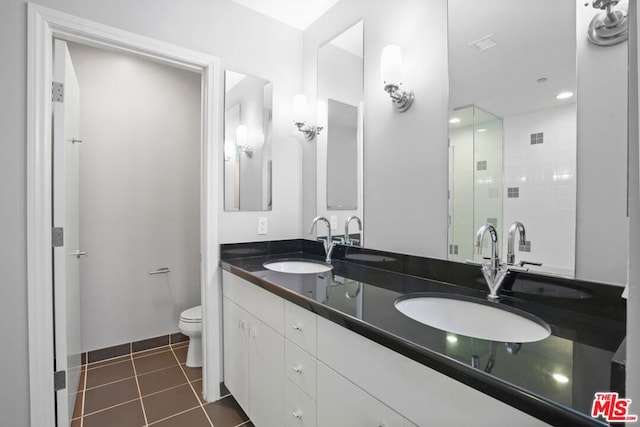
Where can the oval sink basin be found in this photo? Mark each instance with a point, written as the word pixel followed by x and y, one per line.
pixel 297 267
pixel 473 317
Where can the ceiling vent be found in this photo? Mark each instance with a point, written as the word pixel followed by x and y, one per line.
pixel 484 43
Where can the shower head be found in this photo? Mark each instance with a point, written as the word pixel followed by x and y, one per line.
pixel 611 26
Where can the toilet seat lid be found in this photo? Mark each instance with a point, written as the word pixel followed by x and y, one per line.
pixel 193 314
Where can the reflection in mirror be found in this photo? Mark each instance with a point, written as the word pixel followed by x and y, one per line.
pixel 512 127
pixel 342 155
pixel 340 95
pixel 247 143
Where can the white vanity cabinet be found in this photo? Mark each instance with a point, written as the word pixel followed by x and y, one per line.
pixel 288 367
pixel 254 350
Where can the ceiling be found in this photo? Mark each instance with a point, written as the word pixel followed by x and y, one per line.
pixel 296 13
pixel 534 40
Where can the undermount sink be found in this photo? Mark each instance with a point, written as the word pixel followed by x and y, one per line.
pixel 473 317
pixel 297 266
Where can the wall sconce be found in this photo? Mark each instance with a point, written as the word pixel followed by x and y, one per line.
pixel 611 26
pixel 242 135
pixel 300 118
pixel 391 74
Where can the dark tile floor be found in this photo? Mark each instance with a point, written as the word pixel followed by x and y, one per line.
pixel 150 388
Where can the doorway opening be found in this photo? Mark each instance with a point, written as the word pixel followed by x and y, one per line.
pixel 45 25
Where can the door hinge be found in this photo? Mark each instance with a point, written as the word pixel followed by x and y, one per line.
pixel 59 380
pixel 57 92
pixel 57 237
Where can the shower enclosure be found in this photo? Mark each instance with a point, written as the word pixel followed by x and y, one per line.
pixel 475 177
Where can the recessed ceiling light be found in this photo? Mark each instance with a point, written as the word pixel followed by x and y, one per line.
pixel 564 95
pixel 484 43
pixel 452 339
pixel 454 120
pixel 562 379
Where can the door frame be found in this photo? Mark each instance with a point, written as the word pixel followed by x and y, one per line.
pixel 43 25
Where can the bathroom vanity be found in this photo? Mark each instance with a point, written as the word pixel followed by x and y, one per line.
pixel 330 348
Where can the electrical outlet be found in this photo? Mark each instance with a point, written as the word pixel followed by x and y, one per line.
pixel 334 222
pixel 262 225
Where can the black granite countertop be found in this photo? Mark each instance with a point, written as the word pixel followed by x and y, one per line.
pixel 587 322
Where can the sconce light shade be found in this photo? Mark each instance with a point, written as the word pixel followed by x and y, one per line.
pixel 300 118
pixel 391 75
pixel 391 65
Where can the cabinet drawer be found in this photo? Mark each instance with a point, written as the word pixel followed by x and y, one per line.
pixel 343 404
pixel 262 304
pixel 300 410
pixel 300 368
pixel 300 327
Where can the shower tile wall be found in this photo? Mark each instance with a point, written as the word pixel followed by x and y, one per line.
pixel 544 175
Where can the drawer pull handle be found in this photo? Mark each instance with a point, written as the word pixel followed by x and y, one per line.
pixel 297 327
pixel 297 414
pixel 297 369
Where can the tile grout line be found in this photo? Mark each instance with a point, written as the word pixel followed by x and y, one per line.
pixel 109 383
pixel 173 415
pixel 191 386
pixel 112 360
pixel 110 407
pixel 135 373
pixel 165 389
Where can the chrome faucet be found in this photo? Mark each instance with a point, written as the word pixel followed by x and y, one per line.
pixel 328 243
pixel 511 252
pixel 494 271
pixel 347 239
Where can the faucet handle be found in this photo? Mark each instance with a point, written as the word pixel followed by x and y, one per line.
pixel 515 268
pixel 523 263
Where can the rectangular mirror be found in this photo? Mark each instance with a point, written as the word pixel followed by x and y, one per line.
pixel 512 128
pixel 342 155
pixel 247 142
pixel 340 110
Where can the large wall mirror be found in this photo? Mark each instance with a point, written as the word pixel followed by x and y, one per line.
pixel 512 127
pixel 340 111
pixel 247 142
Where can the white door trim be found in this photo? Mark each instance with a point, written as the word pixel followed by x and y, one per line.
pixel 43 25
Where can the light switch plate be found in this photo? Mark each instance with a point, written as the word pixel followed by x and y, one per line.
pixel 334 222
pixel 262 225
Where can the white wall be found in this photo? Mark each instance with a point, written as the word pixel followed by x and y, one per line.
pixel 139 195
pixel 406 210
pixel 545 175
pixel 245 41
pixel 405 154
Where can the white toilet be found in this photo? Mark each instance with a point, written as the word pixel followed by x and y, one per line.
pixel 191 325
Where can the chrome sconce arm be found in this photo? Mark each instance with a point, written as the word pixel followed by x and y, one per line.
pixel 308 131
pixel 391 74
pixel 401 99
